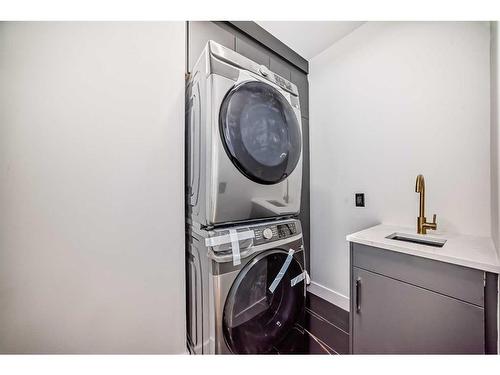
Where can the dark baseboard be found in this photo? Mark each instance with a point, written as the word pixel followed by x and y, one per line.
pixel 327 323
pixel 334 314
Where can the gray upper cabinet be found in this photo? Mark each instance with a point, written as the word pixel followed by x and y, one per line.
pixel 400 318
pixel 200 32
pixel 252 50
pixel 280 67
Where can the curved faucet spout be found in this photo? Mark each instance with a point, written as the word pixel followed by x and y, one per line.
pixel 422 224
pixel 420 188
pixel 420 184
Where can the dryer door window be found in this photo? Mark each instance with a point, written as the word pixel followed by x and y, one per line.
pixel 255 320
pixel 260 132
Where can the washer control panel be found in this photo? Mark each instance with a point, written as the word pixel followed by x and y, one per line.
pixel 274 232
pixel 283 82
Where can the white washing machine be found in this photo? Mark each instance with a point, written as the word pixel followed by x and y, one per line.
pixel 244 141
pixel 242 308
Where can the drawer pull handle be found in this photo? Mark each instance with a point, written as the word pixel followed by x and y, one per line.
pixel 358 295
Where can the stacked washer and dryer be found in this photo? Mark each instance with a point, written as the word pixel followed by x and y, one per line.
pixel 245 262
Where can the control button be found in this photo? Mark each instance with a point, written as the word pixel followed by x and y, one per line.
pixel 263 70
pixel 267 233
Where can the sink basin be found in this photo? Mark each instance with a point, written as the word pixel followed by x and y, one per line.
pixel 413 238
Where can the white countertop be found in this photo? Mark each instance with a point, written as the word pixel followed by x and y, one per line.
pixel 468 251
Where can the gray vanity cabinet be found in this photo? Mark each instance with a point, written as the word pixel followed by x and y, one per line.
pixel 402 304
pixel 396 317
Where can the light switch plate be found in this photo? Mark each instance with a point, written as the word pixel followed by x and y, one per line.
pixel 359 199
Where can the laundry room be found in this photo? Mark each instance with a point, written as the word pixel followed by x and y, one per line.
pixel 313 194
pixel 193 186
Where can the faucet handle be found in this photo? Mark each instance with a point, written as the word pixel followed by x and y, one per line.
pixel 434 221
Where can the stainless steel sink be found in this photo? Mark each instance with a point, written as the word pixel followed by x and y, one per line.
pixel 428 241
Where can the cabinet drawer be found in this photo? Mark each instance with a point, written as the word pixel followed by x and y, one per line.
pixel 463 283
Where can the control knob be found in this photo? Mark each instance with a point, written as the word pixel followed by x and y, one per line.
pixel 263 70
pixel 267 233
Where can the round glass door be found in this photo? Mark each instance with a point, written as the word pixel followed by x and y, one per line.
pixel 260 132
pixel 255 319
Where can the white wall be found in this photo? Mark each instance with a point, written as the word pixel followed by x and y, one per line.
pixel 91 192
pixel 308 38
pixel 389 101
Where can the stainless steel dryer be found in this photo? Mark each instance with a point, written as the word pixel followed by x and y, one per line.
pixel 244 141
pixel 233 309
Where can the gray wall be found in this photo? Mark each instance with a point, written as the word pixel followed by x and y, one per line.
pixel 200 32
pixel 91 192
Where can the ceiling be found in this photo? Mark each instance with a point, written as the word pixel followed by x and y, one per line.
pixel 309 38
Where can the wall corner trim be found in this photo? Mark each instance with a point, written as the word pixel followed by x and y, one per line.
pixel 329 295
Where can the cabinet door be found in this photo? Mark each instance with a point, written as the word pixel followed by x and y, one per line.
pixel 391 316
pixel 252 50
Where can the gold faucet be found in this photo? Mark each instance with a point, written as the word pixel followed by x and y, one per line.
pixel 422 224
